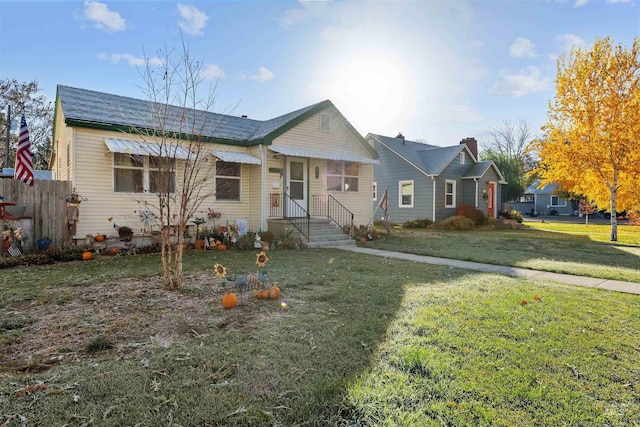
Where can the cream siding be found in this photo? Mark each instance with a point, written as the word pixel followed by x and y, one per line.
pixel 94 180
pixel 338 140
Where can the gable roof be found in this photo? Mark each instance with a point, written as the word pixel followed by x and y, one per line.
pixel 477 170
pixel 550 188
pixel 98 110
pixel 430 159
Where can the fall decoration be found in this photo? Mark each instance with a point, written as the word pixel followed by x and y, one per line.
pixel 274 292
pixel 99 238
pixel 114 250
pixel 229 300
pixel 86 255
pixel 261 259
pixel 537 297
pixel 523 302
pixel 220 270
pixel 222 247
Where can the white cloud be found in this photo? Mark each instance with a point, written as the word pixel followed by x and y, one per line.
pixel 212 72
pixel 522 48
pixel 526 81
pixel 618 1
pixel 579 3
pixel 567 42
pixel 264 75
pixel 115 58
pixel 193 20
pixel 306 11
pixel 102 17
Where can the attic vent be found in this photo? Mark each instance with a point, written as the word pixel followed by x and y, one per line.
pixel 244 116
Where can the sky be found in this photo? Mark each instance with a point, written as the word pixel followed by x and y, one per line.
pixel 436 70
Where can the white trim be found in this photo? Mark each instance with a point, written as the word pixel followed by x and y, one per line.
pixel 413 190
pixel 453 193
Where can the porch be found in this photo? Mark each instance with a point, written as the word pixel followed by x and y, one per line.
pixel 322 221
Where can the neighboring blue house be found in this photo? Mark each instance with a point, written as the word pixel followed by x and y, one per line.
pixel 37 174
pixel 543 201
pixel 428 181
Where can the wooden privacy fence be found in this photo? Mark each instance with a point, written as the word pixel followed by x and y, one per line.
pixel 46 206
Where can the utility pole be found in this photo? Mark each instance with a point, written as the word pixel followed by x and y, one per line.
pixel 6 145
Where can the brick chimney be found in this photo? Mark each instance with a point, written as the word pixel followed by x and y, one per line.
pixel 472 144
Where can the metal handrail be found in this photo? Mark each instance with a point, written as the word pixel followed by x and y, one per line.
pixel 283 206
pixel 328 206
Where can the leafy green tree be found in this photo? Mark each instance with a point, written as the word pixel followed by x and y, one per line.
pixel 26 97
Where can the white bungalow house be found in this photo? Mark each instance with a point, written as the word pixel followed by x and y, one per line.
pixel 305 167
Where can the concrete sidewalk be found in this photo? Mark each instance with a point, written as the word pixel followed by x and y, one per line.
pixel 590 282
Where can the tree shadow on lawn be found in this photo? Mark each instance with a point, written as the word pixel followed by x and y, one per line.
pixel 179 357
pixel 536 249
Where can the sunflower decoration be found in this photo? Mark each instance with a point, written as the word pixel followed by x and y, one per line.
pixel 221 270
pixel 261 259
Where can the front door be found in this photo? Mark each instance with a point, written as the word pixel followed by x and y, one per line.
pixel 491 199
pixel 296 187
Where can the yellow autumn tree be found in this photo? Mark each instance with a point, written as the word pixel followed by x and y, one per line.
pixel 591 143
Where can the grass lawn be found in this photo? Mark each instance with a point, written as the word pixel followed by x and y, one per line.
pixel 556 247
pixel 362 341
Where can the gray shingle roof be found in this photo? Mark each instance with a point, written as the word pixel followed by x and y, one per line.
pixel 96 108
pixel 477 170
pixel 431 159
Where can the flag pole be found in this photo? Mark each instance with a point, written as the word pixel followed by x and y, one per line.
pixel 6 145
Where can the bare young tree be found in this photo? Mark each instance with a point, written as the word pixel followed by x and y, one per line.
pixel 510 141
pixel 180 131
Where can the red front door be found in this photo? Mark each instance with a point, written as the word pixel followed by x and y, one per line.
pixel 491 200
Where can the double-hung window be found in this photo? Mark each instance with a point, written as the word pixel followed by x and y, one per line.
pixel 228 179
pixel 449 194
pixel 139 174
pixel 558 201
pixel 406 194
pixel 342 176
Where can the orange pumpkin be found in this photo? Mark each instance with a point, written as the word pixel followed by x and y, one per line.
pixel 87 255
pixel 99 238
pixel 362 239
pixel 229 300
pixel 263 294
pixel 274 292
pixel 114 250
pixel 222 247
pixel 265 247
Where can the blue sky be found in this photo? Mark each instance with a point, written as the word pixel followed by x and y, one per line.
pixel 437 71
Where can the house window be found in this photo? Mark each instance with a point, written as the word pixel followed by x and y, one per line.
pixel 449 194
pixel 227 180
pixel 406 194
pixel 375 191
pixel 137 174
pixel 462 159
pixel 325 122
pixel 557 201
pixel 342 176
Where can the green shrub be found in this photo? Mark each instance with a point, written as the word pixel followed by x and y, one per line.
pixel 418 223
pixel 474 214
pixel 455 223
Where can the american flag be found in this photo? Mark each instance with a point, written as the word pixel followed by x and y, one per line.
pixel 24 164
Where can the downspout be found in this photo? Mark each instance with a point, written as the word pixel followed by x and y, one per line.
pixel 433 202
pixel 263 187
pixel 476 181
